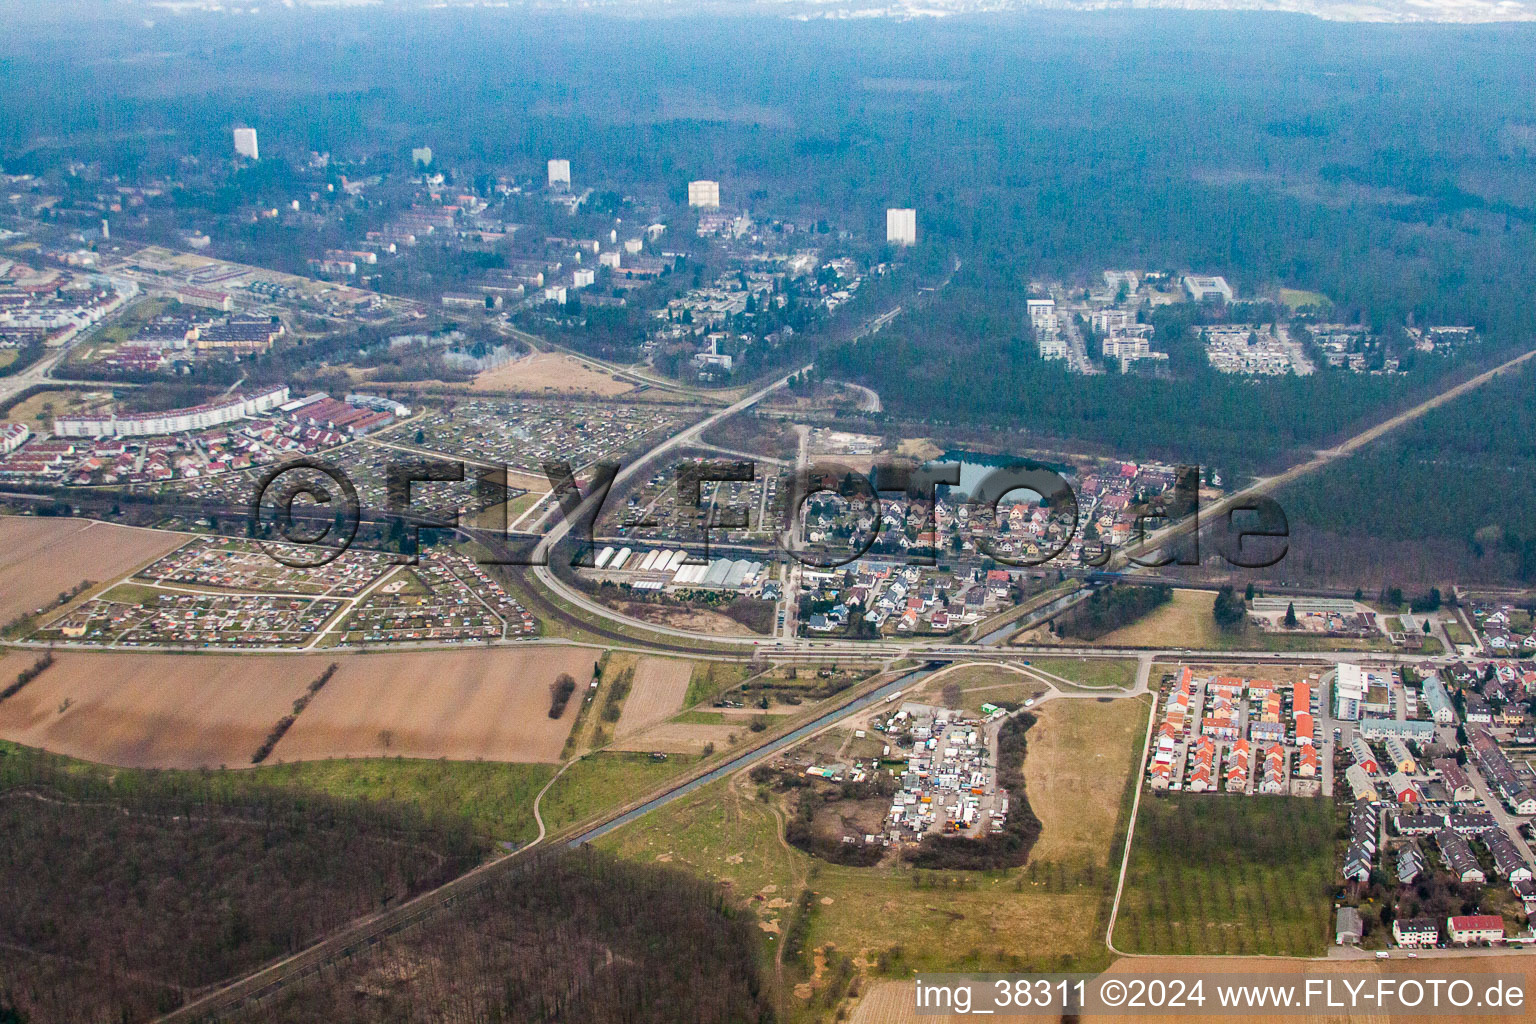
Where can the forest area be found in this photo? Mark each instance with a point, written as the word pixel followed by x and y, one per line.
pixel 1452 496
pixel 581 936
pixel 1276 150
pixel 125 895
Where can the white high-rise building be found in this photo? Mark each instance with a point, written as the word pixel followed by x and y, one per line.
pixel 559 174
pixel 704 193
pixel 901 226
pixel 245 143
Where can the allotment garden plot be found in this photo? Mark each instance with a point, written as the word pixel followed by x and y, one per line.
pixel 527 433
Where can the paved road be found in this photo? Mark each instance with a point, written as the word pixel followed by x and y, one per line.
pixel 1508 822
pixel 869 398
pixel 1130 828
pixel 42 370
pixel 562 526
pixel 361 936
pixel 1121 559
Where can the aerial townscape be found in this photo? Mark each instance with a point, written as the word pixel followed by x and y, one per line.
pixel 644 513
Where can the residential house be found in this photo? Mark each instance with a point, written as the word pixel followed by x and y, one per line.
pixel 1507 861
pixel 1416 932
pixel 1348 929
pixel 1474 928
pixel 1410 864
pixel 1360 782
pixel 1457 785
pixel 1458 857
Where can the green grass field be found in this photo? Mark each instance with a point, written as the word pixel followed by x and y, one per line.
pixel 137 593
pixel 497 798
pixel 1229 875
pixel 606 779
pixel 712 678
pixel 1090 673
pixel 1186 621
pixel 1295 298
pixel 1048 915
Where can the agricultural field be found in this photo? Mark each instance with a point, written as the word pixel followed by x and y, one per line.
pixel 1219 874
pixel 657 693
pixel 551 373
pixel 194 711
pixel 683 738
pixel 892 1002
pixel 461 705
pixel 156 710
pixel 14 660
pixel 40 558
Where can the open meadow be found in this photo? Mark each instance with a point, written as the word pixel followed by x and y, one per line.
pixel 979 684
pixel 1187 620
pixel 1087 673
pixel 1082 756
pixel 890 919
